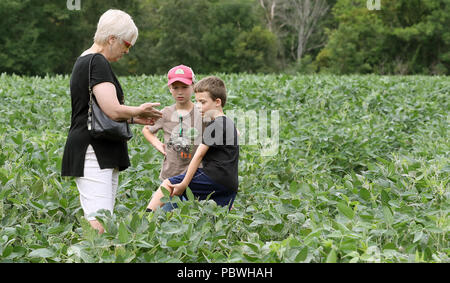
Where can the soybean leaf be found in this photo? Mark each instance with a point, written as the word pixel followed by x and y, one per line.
pixel 43 252
pixel 345 210
pixel 123 233
pixel 332 257
pixel 189 194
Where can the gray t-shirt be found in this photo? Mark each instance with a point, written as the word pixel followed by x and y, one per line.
pixel 181 142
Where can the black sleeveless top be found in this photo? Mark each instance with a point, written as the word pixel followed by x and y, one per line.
pixel 110 154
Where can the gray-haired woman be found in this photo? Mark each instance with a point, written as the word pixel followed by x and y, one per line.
pixel 94 162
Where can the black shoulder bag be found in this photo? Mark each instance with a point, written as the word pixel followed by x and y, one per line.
pixel 100 125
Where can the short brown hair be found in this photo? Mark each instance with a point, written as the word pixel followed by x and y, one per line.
pixel 214 86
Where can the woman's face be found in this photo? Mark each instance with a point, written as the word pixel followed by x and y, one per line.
pixel 117 48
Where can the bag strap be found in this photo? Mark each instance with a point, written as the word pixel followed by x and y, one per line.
pixel 90 93
pixel 89 79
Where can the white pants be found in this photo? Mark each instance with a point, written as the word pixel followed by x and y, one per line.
pixel 98 187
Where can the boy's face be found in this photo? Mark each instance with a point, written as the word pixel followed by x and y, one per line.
pixel 206 105
pixel 181 92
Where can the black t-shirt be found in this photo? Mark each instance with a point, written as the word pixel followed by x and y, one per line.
pixel 220 162
pixel 110 154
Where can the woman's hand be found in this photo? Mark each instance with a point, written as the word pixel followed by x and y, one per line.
pixel 144 121
pixel 177 189
pixel 147 111
pixel 106 96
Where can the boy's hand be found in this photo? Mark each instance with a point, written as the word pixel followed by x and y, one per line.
pixel 161 148
pixel 177 189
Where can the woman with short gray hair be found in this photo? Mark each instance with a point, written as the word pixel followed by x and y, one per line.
pixel 95 163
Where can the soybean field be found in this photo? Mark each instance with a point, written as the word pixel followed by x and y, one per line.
pixel 351 169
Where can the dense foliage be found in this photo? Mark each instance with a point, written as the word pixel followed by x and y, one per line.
pixel 361 174
pixel 403 37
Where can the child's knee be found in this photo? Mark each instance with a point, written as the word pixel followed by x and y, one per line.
pixel 165 183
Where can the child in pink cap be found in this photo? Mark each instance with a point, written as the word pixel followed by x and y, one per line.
pixel 218 152
pixel 181 124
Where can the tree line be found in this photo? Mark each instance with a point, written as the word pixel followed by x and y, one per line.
pixel 232 36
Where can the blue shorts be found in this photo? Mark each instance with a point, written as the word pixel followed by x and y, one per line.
pixel 202 186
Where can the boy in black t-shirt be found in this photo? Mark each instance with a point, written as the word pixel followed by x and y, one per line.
pixel 218 152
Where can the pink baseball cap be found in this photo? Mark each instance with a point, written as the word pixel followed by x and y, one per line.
pixel 182 74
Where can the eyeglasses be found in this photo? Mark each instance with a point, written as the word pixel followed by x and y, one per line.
pixel 127 44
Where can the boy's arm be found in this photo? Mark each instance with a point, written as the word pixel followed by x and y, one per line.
pixel 153 139
pixel 178 189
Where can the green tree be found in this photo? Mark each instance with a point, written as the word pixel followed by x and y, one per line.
pixel 210 36
pixel 35 38
pixel 404 37
pixel 421 32
pixel 236 40
pixel 254 51
pixel 170 34
pixel 358 43
pixel 45 37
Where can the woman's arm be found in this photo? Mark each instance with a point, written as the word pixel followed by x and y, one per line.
pixel 178 189
pixel 106 96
